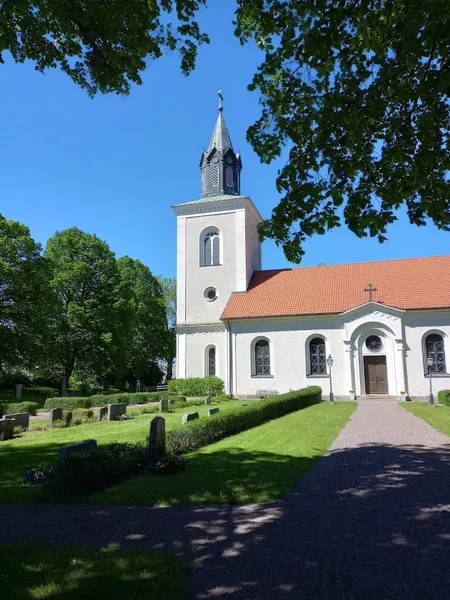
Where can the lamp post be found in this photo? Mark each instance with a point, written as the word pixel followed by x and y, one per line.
pixel 330 364
pixel 430 363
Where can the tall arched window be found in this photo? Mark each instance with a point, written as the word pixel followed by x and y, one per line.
pixel 211 362
pixel 261 358
pixel 317 357
pixel 210 250
pixel 434 349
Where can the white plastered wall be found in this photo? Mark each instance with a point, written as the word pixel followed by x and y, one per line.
pixel 193 343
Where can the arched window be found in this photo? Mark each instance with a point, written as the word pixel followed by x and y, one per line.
pixel 261 358
pixel 210 250
pixel 434 349
pixel 211 362
pixel 317 357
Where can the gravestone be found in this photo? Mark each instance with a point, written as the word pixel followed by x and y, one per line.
pixel 100 412
pixel 208 400
pixel 19 388
pixel 115 410
pixel 157 441
pixel 164 405
pixel 127 386
pixel 56 414
pixel 7 428
pixel 189 417
pixel 22 419
pixel 213 411
pixel 86 446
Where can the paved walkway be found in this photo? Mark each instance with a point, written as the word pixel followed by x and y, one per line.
pixel 370 521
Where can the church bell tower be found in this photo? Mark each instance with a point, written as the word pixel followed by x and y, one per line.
pixel 220 166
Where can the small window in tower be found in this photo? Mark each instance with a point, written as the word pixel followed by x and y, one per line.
pixel 214 175
pixel 229 179
pixel 204 181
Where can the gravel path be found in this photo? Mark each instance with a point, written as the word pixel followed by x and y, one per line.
pixel 370 521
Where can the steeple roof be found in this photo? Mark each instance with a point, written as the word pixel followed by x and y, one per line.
pixel 220 138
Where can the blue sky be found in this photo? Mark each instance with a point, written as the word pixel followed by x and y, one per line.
pixel 114 165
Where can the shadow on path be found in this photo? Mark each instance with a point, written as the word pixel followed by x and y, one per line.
pixel 367 522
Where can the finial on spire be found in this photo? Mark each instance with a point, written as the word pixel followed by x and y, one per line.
pixel 219 93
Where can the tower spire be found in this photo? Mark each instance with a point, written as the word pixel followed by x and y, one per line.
pixel 220 165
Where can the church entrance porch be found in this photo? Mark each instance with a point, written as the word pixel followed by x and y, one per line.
pixel 375 375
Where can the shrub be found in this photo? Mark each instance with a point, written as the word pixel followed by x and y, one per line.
pixel 94 471
pixel 170 464
pixel 200 433
pixel 444 397
pixel 70 403
pixel 67 402
pixel 143 410
pixel 196 386
pixel 178 402
pixel 22 407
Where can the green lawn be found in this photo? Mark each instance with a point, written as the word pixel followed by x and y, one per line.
pixel 437 416
pixel 31 571
pixel 42 447
pixel 259 465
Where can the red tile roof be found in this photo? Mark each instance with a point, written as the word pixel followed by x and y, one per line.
pixel 414 283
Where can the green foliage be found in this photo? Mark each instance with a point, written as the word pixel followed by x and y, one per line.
pixel 84 473
pixel 359 92
pixel 72 402
pixel 25 296
pixel 196 386
pixel 444 397
pixel 87 320
pixel 143 339
pixel 169 288
pixel 200 433
pixel 68 402
pixel 177 402
pixel 22 407
pixel 103 45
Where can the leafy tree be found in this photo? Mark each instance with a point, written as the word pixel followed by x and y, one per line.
pixel 359 92
pixel 86 281
pixel 146 330
pixel 169 288
pixel 25 297
pixel 103 45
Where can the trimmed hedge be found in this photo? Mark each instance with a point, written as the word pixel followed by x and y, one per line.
pixel 201 433
pixel 444 397
pixel 71 402
pixel 19 407
pixel 196 386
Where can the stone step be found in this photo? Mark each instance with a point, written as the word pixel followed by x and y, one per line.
pixel 379 397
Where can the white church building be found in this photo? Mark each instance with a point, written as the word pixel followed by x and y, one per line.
pixel 384 324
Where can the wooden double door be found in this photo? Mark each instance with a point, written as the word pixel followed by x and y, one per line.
pixel 375 375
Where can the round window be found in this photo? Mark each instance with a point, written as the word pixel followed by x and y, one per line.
pixel 374 343
pixel 210 294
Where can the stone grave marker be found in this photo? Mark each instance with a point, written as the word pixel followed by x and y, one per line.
pixel 100 412
pixel 56 414
pixel 19 388
pixel 157 441
pixel 86 446
pixel 208 400
pixel 22 419
pixel 7 428
pixel 164 405
pixel 213 411
pixel 189 417
pixel 115 410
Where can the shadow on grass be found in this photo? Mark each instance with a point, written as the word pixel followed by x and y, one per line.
pixel 65 573
pixel 231 476
pixel 371 522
